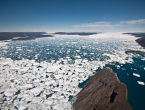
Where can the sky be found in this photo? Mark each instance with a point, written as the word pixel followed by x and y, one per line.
pixel 72 15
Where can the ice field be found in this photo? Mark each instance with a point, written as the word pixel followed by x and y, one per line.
pixel 45 74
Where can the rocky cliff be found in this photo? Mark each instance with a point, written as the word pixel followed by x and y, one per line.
pixel 103 92
pixel 141 41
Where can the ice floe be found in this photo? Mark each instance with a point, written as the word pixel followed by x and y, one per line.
pixel 137 75
pixel 5 61
pixel 10 92
pixel 140 82
pixel 36 86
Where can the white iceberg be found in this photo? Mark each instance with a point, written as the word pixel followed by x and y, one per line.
pixel 137 75
pixel 140 82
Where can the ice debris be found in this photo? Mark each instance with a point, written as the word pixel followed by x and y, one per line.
pixel 140 82
pixel 137 75
pixel 23 83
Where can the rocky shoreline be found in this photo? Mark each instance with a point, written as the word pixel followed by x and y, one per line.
pixel 19 36
pixel 103 91
pixel 140 41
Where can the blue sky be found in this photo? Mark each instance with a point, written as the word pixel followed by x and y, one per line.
pixel 72 15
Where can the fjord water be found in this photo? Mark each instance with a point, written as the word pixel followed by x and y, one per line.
pixel 135 91
pixel 95 50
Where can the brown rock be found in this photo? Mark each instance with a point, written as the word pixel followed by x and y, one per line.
pixel 141 41
pixel 103 92
pixel 113 63
pixel 134 51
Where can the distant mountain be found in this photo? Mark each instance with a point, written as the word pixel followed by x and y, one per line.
pixel 76 33
pixel 14 36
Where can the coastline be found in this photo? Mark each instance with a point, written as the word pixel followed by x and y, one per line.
pixel 141 40
pixel 20 36
pixel 103 91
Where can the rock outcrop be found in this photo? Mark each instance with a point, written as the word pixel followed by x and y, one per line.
pixel 134 51
pixel 103 92
pixel 140 41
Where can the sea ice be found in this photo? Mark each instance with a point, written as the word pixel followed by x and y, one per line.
pixel 52 68
pixel 1 100
pixel 140 82
pixel 5 61
pixel 10 92
pixel 37 100
pixel 48 84
pixel 36 90
pixel 137 75
pixel 22 107
pixel 26 86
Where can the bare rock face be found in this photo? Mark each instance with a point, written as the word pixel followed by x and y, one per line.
pixel 141 41
pixel 103 92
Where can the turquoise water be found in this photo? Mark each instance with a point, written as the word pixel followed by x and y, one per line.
pixel 136 92
pixel 55 48
pixel 49 49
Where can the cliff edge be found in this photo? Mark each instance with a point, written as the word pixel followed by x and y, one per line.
pixel 103 92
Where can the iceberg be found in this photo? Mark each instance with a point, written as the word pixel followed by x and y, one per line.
pixel 140 82
pixel 137 75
